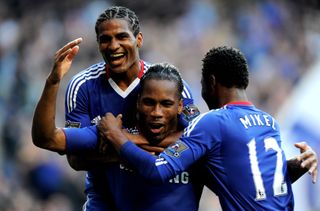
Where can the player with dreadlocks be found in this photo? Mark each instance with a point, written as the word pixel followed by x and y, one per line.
pixel 109 86
pixel 113 86
pixel 239 144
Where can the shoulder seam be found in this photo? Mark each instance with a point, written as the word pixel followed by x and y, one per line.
pixel 92 72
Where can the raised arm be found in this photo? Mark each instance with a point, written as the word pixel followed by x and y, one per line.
pixel 45 134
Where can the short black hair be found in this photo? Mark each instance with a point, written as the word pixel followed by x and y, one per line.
pixel 228 65
pixel 119 12
pixel 163 71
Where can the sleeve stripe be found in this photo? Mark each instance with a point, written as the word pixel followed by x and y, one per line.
pixel 78 80
pixel 186 93
pixel 191 126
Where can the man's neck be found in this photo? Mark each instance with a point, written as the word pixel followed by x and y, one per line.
pixel 232 95
pixel 123 80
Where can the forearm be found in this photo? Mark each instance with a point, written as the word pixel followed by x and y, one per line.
pixel 92 161
pixel 156 169
pixel 295 170
pixel 45 134
pixel 150 167
pixel 83 149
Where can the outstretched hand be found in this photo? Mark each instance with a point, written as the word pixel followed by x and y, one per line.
pixel 309 159
pixel 63 59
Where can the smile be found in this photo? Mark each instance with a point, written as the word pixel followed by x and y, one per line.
pixel 116 55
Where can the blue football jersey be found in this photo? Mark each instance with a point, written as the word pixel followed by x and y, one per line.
pixel 91 94
pixel 241 149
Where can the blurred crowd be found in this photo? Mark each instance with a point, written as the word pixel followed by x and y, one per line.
pixel 279 38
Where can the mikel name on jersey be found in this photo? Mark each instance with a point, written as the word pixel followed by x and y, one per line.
pixel 253 120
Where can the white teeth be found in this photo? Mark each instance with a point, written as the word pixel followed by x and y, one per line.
pixel 116 55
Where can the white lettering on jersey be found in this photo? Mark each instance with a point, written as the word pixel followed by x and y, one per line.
pixel 257 120
pixel 182 178
pixel 160 161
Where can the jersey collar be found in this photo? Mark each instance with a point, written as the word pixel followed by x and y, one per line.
pixel 243 103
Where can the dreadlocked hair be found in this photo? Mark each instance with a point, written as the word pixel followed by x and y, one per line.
pixel 163 71
pixel 119 12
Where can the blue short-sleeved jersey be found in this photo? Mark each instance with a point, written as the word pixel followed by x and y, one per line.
pixel 241 149
pixel 91 94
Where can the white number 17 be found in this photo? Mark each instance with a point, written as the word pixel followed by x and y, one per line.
pixel 279 184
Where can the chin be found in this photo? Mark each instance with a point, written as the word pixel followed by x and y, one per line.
pixel 119 69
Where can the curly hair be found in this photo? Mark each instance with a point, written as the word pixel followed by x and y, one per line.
pixel 119 12
pixel 228 65
pixel 163 71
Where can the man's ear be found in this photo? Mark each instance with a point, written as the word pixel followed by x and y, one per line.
pixel 139 38
pixel 180 106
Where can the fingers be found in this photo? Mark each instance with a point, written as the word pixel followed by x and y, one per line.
pixel 68 51
pixel 73 52
pixel 313 171
pixel 63 55
pixel 108 115
pixel 68 46
pixel 119 120
pixel 302 146
pixel 309 159
pixel 109 120
pixel 312 166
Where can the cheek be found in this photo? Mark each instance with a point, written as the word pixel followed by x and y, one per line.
pixel 171 116
pixel 132 48
pixel 143 112
pixel 101 46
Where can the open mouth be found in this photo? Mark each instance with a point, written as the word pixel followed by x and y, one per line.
pixel 115 57
pixel 156 128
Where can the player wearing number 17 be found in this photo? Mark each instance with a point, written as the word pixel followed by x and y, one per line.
pixel 240 144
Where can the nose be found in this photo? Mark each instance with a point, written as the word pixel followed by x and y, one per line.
pixel 157 111
pixel 114 44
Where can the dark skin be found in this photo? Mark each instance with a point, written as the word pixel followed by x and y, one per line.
pixel 158 106
pixel 46 135
pixel 298 166
pixel 218 97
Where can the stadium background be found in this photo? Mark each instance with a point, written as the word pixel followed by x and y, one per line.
pixel 280 39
